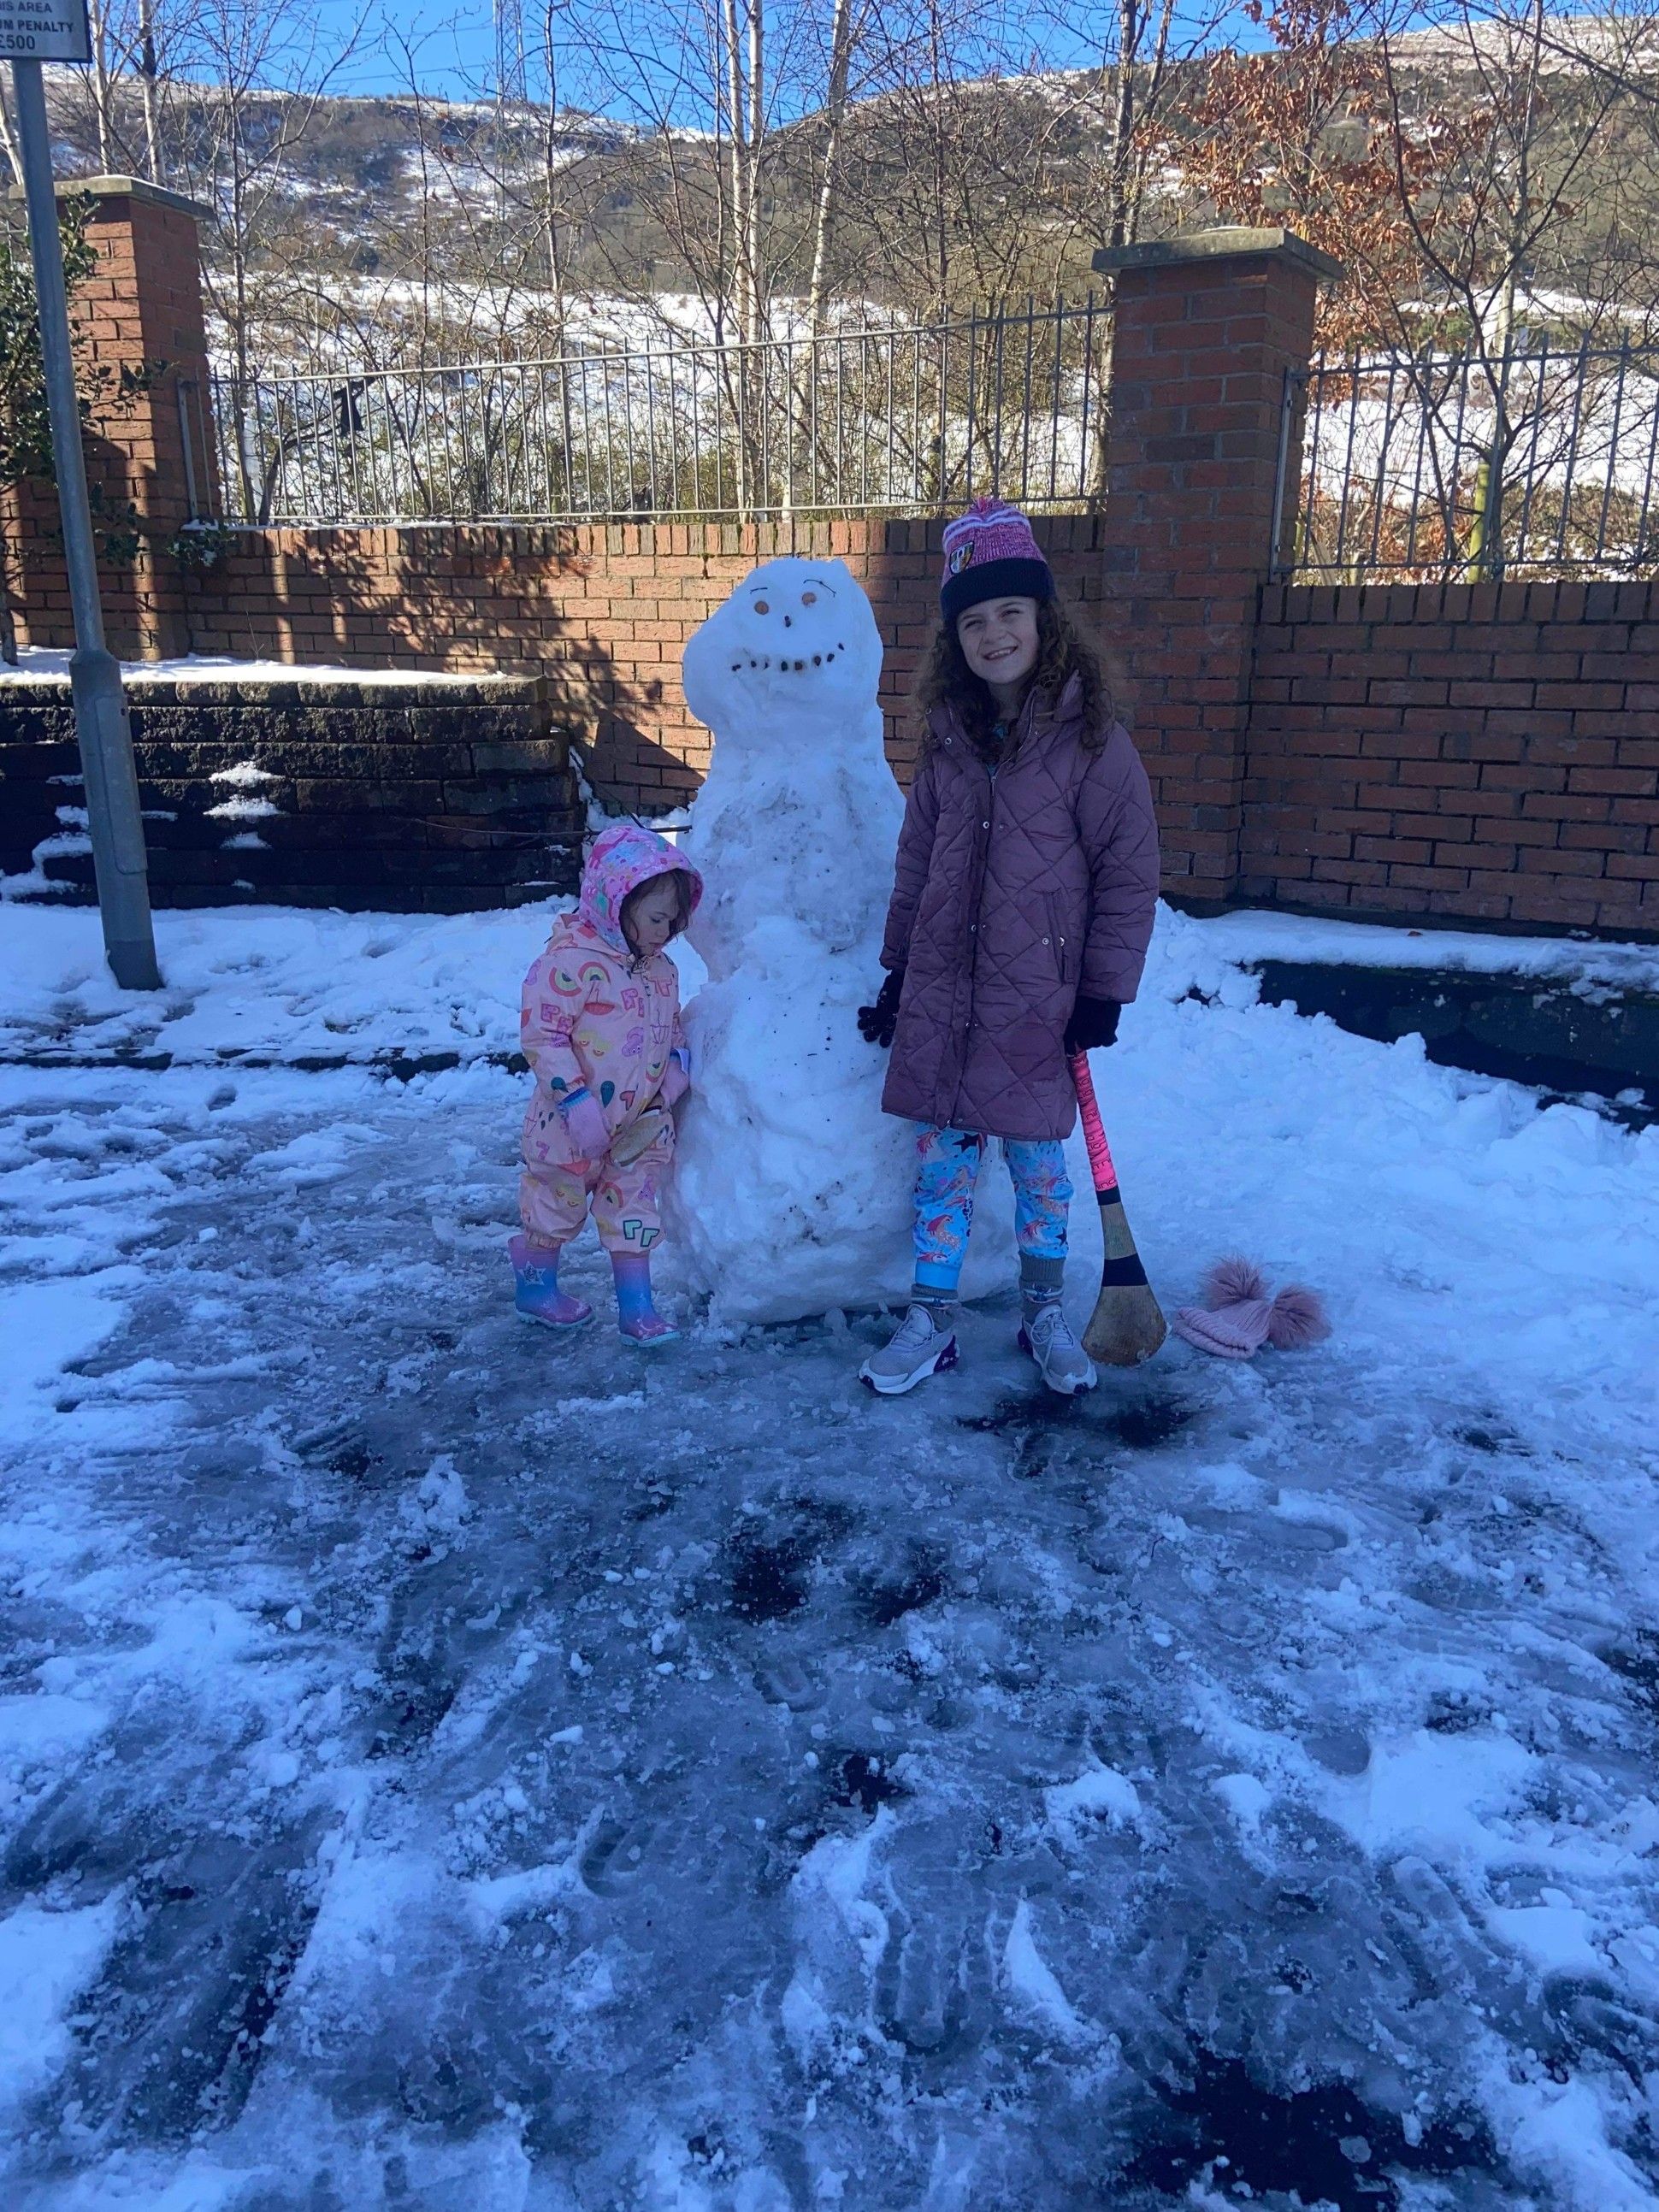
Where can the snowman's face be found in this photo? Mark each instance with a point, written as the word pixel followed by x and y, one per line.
pixel 796 635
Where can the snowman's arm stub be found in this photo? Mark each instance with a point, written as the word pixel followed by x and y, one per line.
pixel 556 992
pixel 916 855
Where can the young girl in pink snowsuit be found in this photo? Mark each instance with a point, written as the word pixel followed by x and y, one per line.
pixel 600 1026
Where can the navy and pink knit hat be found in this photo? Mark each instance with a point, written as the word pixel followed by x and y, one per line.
pixel 990 554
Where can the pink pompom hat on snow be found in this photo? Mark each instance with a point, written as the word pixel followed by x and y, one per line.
pixel 1239 1315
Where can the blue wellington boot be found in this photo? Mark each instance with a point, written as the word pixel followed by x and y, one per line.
pixel 536 1293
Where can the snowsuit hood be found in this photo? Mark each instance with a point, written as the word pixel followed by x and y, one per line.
pixel 1015 892
pixel 623 857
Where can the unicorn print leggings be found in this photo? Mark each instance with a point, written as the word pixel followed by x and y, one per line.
pixel 947 1171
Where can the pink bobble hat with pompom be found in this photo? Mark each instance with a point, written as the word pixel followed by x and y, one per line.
pixel 1239 1314
pixel 991 553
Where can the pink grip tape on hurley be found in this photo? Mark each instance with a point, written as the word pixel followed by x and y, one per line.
pixel 1094 1135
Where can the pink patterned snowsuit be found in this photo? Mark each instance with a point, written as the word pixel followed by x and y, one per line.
pixel 593 1013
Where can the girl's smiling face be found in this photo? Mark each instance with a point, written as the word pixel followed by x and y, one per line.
pixel 651 914
pixel 998 641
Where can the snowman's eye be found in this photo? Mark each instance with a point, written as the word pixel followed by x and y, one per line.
pixel 809 598
pixel 761 607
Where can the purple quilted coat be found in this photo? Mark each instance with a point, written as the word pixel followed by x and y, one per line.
pixel 1014 893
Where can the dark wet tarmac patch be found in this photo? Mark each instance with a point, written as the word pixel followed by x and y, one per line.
pixel 1320 2145
pixel 1141 1423
pixel 918 1583
pixel 864 1779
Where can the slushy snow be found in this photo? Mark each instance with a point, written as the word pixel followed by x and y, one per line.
pixel 448 1768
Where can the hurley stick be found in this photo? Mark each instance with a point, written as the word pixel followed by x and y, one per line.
pixel 1128 1324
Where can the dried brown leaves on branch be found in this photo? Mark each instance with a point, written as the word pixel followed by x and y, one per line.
pixel 1470 172
pixel 1313 133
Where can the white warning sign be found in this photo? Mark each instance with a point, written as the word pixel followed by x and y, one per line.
pixel 45 31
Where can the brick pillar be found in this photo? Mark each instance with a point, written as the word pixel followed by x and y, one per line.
pixel 1204 329
pixel 141 310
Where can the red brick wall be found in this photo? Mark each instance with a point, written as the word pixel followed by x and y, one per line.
pixel 1478 752
pixel 1201 346
pixel 1454 753
pixel 606 613
pixel 139 312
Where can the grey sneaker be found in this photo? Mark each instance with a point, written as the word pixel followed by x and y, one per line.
pixel 1061 1362
pixel 921 1346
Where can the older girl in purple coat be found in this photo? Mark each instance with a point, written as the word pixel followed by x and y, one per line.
pixel 1022 909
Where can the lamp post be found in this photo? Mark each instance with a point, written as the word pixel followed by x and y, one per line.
pixel 31 32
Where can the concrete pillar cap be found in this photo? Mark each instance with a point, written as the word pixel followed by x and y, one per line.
pixel 125 188
pixel 1228 241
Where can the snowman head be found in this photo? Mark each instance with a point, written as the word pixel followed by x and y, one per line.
pixel 795 641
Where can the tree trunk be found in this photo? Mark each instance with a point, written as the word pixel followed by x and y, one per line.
pixel 101 86
pixel 757 138
pixel 1123 121
pixel 149 77
pixel 8 620
pixel 737 111
pixel 9 141
pixel 556 259
pixel 835 112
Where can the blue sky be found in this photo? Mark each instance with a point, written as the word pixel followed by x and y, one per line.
pixel 456 44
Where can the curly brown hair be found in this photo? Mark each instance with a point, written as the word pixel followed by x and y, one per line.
pixel 1063 652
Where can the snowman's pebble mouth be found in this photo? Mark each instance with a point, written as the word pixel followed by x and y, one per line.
pixel 793 667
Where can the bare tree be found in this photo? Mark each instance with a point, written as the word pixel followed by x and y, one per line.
pixel 1127 99
pixel 1519 251
pixel 1539 199
pixel 961 162
pixel 147 58
pixel 9 138
pixel 262 69
pixel 128 44
pixel 847 24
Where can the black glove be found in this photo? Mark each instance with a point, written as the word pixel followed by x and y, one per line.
pixel 878 1023
pixel 1093 1024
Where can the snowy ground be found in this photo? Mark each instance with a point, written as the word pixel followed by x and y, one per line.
pixel 444 1768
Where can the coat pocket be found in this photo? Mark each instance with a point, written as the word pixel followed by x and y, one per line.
pixel 1065 936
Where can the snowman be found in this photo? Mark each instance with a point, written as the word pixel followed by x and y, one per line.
pixel 791 1188
pixel 790 1192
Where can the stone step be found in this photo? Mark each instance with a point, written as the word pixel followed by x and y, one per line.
pixel 355 794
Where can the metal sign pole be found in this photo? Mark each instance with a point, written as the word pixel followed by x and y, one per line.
pixel 100 712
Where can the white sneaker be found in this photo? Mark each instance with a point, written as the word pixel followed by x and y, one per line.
pixel 918 1347
pixel 1061 1362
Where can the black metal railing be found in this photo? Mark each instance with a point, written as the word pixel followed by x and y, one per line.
pixel 1533 461
pixel 902 419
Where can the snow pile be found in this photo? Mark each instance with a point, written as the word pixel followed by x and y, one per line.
pixel 1247 937
pixel 47 1959
pixel 793 1180
pixel 791 1193
pixel 273 982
